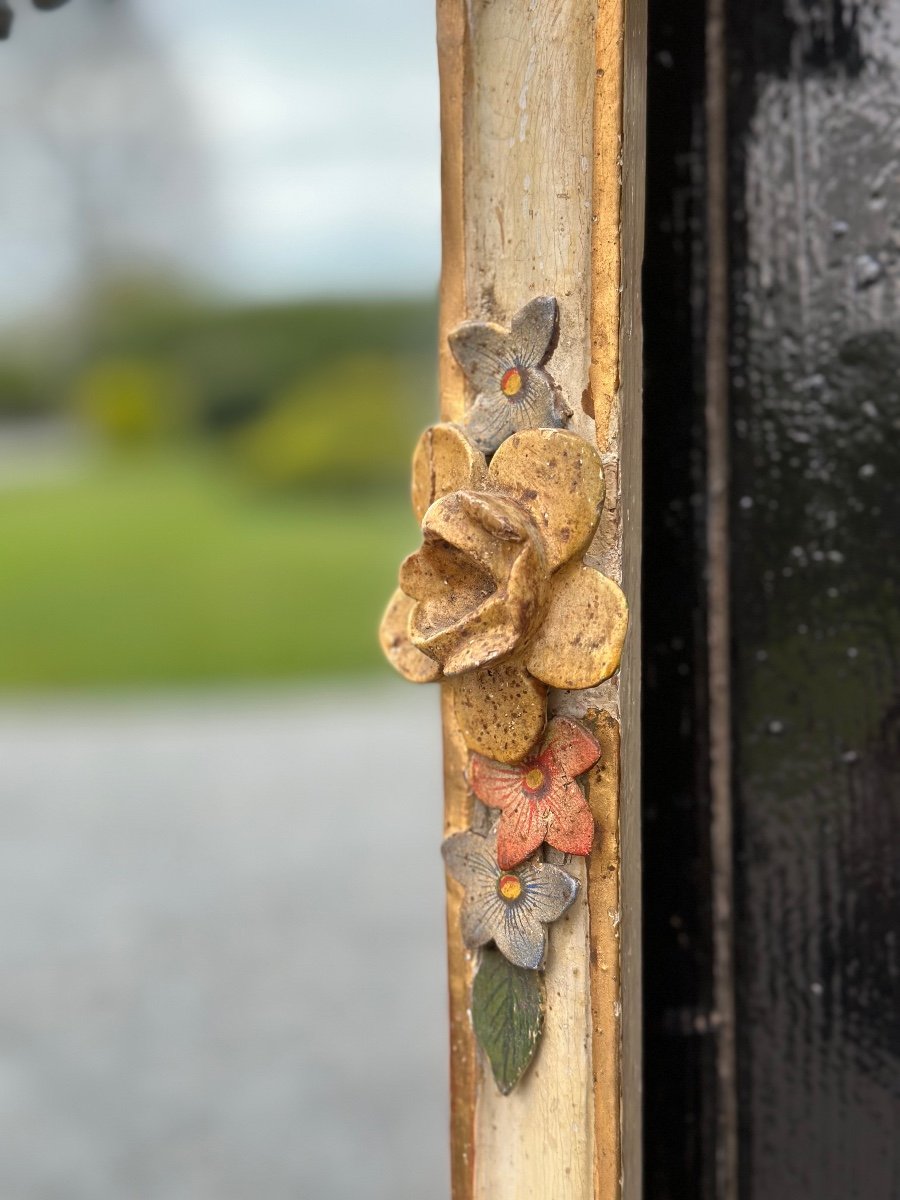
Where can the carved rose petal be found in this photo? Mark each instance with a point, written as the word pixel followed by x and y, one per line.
pixel 444 461
pixel 399 650
pixel 501 710
pixel 579 642
pixel 558 477
pixel 480 581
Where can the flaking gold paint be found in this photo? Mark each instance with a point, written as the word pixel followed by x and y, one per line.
pixel 460 969
pixel 603 893
pixel 452 39
pixel 505 237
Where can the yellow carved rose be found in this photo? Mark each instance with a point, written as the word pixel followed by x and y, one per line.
pixel 497 600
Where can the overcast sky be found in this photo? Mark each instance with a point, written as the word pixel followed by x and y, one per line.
pixel 316 124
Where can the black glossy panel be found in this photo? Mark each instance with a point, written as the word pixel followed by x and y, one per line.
pixel 815 293
pixel 679 1097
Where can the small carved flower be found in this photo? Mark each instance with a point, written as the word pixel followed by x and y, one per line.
pixel 498 600
pixel 539 798
pixel 504 368
pixel 509 908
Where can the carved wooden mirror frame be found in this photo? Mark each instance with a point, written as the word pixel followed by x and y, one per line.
pixel 525 585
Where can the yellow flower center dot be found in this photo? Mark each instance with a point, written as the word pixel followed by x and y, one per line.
pixel 534 778
pixel 511 383
pixel 510 887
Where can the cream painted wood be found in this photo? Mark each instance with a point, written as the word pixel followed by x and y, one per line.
pixel 528 119
pixel 542 124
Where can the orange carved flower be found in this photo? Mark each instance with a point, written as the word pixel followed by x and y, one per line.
pixel 539 798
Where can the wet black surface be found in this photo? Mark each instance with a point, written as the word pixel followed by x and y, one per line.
pixel 815 397
pixel 679 1095
pixel 814 296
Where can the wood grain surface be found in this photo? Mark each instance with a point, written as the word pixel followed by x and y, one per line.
pixel 538 159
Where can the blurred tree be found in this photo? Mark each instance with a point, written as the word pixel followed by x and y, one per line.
pixel 20 392
pixel 132 402
pixel 105 173
pixel 344 427
pixel 6 13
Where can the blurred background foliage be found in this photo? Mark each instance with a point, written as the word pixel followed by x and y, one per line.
pixel 219 251
pixel 195 492
pixel 204 463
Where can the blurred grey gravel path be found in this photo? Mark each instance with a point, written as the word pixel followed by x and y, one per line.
pixel 222 948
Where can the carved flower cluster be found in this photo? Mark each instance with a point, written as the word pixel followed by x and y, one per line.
pixel 499 603
pixel 497 600
pixel 510 893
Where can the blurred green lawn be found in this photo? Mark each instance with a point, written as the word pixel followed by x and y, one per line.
pixel 166 568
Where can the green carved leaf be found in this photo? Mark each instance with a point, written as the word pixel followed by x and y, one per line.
pixel 508 1016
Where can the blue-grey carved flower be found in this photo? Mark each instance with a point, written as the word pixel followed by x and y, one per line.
pixel 509 908
pixel 504 368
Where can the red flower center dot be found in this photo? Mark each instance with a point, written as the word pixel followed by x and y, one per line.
pixel 511 383
pixel 534 779
pixel 510 887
